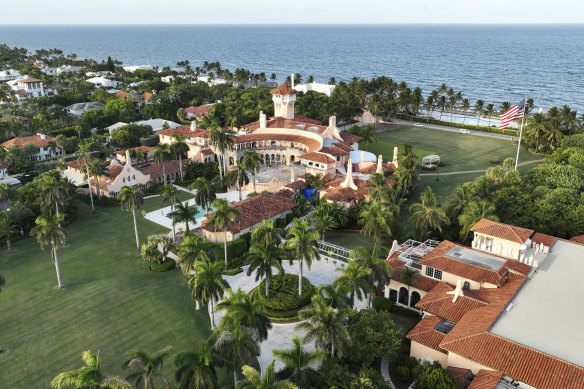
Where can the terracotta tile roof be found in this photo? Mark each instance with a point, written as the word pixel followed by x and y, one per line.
pixel 317 157
pixel 145 149
pixel 421 282
pixel 283 89
pixel 547 240
pixel 486 379
pixel 439 303
pixel 312 144
pixel 280 122
pixel 462 377
pixel 254 210
pixel 373 168
pixel 343 146
pixel 334 150
pixel 146 96
pixel 284 192
pixel 578 239
pixel 344 195
pixel 184 131
pixel 437 259
pixel 21 92
pixel 296 185
pixel 121 95
pixel 207 152
pixel 350 138
pixel 328 178
pixel 27 80
pixel 424 333
pixel 201 110
pixel 155 170
pixel 502 230
pixel 36 140
pixel 114 171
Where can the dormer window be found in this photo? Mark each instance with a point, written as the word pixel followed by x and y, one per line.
pixel 434 273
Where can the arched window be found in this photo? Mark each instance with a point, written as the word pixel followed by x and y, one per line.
pixel 415 297
pixel 393 295
pixel 403 296
pixel 273 143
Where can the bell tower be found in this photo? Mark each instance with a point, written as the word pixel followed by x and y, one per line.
pixel 284 98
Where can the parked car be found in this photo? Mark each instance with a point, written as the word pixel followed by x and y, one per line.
pixel 419 125
pixel 463 131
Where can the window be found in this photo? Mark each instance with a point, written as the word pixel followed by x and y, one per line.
pixel 123 179
pixel 434 273
pixel 338 157
pixel 444 327
pixel 134 177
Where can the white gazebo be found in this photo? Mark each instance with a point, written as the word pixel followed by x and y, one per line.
pixel 431 161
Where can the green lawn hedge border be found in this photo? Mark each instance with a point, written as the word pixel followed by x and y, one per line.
pixel 167 265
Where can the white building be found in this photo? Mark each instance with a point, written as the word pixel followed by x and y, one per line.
pixel 30 87
pixel 210 81
pixel 78 108
pixel 137 67
pixel 102 82
pixel 45 145
pixel 158 124
pixel 61 69
pixel 316 87
pixel 10 74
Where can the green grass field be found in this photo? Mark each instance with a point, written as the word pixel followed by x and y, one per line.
pixel 349 239
pixel 111 303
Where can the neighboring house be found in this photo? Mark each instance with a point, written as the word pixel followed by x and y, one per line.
pixel 40 141
pixel 158 124
pixel 316 87
pixel 78 108
pixel 102 82
pixel 137 67
pixel 115 126
pixel 167 79
pixel 122 154
pixel 3 170
pixel 210 81
pixel 198 112
pixel 513 320
pixel 8 75
pixel 30 87
pixel 55 71
pixel 196 138
pixel 253 211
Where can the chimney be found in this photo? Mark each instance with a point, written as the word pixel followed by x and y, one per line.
pixel 43 136
pixel 332 121
pixel 348 183
pixel 262 119
pixel 379 165
pixel 194 125
pixel 395 149
pixel 128 157
pixel 292 80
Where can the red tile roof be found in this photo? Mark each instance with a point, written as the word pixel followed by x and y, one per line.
pixel 439 303
pixel 373 168
pixel 421 282
pixel 317 157
pixel 296 185
pixel 547 240
pixel 486 379
pixel 27 80
pixel 424 333
pixel 146 96
pixel 121 95
pixel 334 150
pixel 344 195
pixel 280 122
pixel 201 110
pixel 350 138
pixel 461 376
pixel 144 149
pixel 155 170
pixel 283 89
pixel 36 140
pixel 184 131
pixel 254 210
pixel 207 152
pixel 502 230
pixel 312 144
pixel 578 239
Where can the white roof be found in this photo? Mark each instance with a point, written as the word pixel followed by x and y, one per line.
pixel 316 87
pixel 100 80
pixel 136 67
pixel 116 126
pixel 157 124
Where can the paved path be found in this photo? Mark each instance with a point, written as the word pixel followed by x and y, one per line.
pixel 385 372
pixel 478 171
pixel 456 130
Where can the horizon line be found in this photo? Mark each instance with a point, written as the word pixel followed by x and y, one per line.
pixel 298 24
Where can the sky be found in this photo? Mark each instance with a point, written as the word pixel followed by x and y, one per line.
pixel 296 12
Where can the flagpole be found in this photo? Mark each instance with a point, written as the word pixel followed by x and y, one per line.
pixel 521 132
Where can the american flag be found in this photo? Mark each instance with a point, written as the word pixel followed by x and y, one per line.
pixel 515 112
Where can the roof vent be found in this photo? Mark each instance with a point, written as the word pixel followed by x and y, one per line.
pixel 509 307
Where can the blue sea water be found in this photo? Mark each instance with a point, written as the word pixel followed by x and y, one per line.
pixel 491 62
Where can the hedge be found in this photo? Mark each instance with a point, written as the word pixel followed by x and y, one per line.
pixel 402 373
pixel 281 222
pixel 167 265
pixel 404 311
pixel 381 303
pixel 284 293
pixel 232 272
pixel 289 218
pixel 236 248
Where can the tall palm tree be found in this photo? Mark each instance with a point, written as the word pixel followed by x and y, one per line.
pixel 178 148
pixel 254 380
pixel 297 361
pixel 7 228
pixel 168 195
pixel 479 110
pixel 379 270
pixel 89 376
pixel 337 296
pixel 131 199
pixel 325 325
pixel 241 308
pixel 262 259
pixel 537 128
pixel 221 218
pixel 323 218
pixel 238 345
pixel 49 232
pixel 208 284
pixel 195 369
pixel 376 219
pixel 426 214
pixel 463 195
pixel 148 366
pixel 477 210
pixel 354 278
pixel 2 281
pixel 300 241
pixel 192 250
pixel 490 111
pixel 369 135
pixel 21 215
pixel 96 170
pixel 267 233
pixel 252 161
pixel 205 192
pixel 84 159
pixel 52 192
pixel 8 193
pixel 185 213
pixel 161 155
pixel 465 106
pixel 240 176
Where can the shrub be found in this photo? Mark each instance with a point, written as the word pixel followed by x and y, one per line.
pixel 381 303
pixel 247 238
pixel 232 272
pixel 236 248
pixel 289 218
pixel 402 373
pixel 404 311
pixel 411 363
pixel 152 189
pixel 167 265
pixel 284 293
pixel 281 223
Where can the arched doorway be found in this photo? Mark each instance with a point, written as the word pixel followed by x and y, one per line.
pixel 393 295
pixel 292 158
pixel 403 296
pixel 414 298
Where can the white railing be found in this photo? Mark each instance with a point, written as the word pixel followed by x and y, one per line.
pixel 334 251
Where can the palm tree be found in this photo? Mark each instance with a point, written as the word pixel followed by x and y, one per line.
pixel 267 234
pixel 238 345
pixel 465 106
pixel 2 281
pixel 131 199
pixel 7 193
pixel 379 270
pixel 325 325
pixel 96 170
pixel 537 128
pixel 336 296
pixel 161 154
pixel 7 228
pixel 208 285
pixel 376 219
pixel 241 308
pixel 504 107
pixel 48 232
pixel 205 192
pixel 477 210
pixel 221 218
pixel 192 250
pixel 301 240
pixel 354 278
pixel 490 111
pixel 252 161
pixel 179 148
pixel 297 361
pixel 185 213
pixel 52 191
pixel 254 380
pixel 88 376
pixel 369 135
pixel 148 366
pixel 479 110
pixel 261 259
pixel 463 195
pixel 195 369
pixel 426 214
pixel 168 195
pixel 240 176
pixel 83 155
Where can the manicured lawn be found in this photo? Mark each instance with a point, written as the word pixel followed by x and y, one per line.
pixel 349 239
pixel 458 152
pixel 111 303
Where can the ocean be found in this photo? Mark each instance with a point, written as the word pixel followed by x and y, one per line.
pixel 491 62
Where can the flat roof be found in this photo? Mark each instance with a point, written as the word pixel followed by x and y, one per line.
pixel 548 311
pixel 476 258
